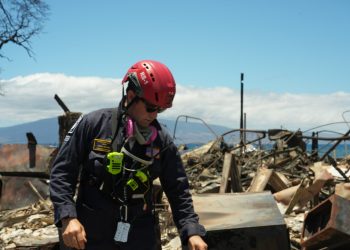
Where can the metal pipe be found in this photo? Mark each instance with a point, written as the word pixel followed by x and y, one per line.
pixel 41 175
pixel 347 123
pixel 334 146
pixel 61 103
pixel 195 118
pixel 241 120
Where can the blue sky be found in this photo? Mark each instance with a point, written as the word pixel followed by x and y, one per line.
pixel 295 56
pixel 281 46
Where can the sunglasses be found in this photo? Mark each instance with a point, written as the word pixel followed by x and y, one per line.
pixel 150 108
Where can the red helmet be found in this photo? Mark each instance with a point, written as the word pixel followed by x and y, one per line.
pixel 153 81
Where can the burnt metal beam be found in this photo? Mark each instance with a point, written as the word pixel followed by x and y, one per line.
pixel 241 126
pixel 334 145
pixel 41 175
pixel 61 103
pixel 32 149
pixel 194 118
pixel 327 225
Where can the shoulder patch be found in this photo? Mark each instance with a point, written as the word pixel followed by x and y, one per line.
pixel 102 145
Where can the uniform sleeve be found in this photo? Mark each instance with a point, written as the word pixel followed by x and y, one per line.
pixel 176 187
pixel 65 171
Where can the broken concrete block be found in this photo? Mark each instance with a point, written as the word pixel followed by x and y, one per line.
pixel 242 221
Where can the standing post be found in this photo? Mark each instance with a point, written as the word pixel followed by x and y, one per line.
pixel 245 128
pixel 32 149
pixel 241 120
pixel 314 146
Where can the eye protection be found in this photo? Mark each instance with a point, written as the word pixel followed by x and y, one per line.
pixel 150 108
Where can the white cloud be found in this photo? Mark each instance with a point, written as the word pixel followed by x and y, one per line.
pixel 31 98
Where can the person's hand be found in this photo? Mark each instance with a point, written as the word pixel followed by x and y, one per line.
pixel 73 233
pixel 195 242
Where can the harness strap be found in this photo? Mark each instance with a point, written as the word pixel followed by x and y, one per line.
pixel 135 158
pixel 115 127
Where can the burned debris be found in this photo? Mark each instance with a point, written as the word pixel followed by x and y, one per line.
pixel 252 189
pixel 29 227
pixel 26 213
pixel 304 185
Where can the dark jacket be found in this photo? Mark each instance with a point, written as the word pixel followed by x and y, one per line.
pixel 83 154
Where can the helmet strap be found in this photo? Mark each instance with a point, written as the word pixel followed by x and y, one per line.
pixel 128 105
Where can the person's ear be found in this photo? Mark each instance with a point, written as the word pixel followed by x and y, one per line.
pixel 130 95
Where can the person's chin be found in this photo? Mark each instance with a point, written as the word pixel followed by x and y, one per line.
pixel 144 124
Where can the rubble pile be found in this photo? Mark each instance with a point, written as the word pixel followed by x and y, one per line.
pixel 30 227
pixel 204 165
pixel 299 181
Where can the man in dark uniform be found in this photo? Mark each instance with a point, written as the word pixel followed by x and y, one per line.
pixel 116 153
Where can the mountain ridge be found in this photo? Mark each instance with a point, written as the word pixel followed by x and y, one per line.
pixel 46 131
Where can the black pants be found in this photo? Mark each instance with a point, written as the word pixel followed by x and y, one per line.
pixel 100 227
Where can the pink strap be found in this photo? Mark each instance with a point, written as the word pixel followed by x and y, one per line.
pixel 130 131
pixel 153 136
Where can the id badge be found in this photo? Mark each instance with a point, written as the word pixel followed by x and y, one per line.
pixel 121 235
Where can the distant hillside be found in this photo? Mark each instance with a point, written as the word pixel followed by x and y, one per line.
pixel 46 132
